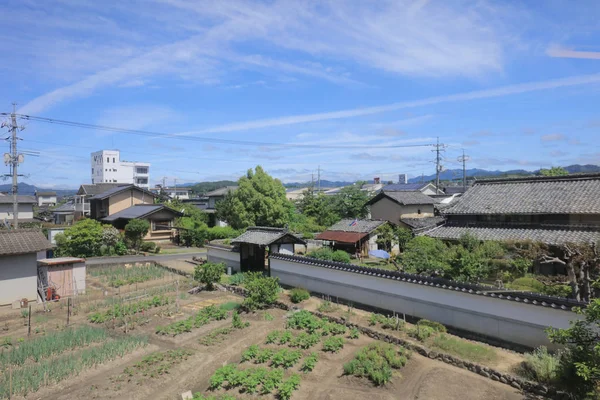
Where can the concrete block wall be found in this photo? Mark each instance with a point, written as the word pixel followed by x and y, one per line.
pixel 508 321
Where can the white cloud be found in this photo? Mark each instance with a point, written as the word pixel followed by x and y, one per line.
pixel 553 137
pixel 561 52
pixel 138 116
pixel 359 112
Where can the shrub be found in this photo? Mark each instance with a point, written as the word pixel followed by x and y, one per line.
pixel 285 337
pixel 260 292
pixel 541 366
pixel 236 321
pixel 304 320
pixel 305 340
pixel 148 246
pixel 272 337
pixel 421 333
pixel 333 344
pixel 209 274
pixel 237 279
pixel 376 362
pixel 432 324
pixel 250 353
pixel 285 358
pixel 354 333
pixel 393 323
pixel 374 319
pixel 340 256
pixel 298 294
pixel 135 230
pixel 327 307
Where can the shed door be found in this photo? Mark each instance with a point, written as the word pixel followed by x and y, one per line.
pixel 61 278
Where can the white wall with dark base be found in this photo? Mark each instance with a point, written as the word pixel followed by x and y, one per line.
pixel 508 321
pixel 221 255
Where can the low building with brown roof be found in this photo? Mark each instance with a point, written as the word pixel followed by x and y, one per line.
pixel 353 236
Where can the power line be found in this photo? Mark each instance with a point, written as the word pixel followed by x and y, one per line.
pixel 202 139
pixel 464 158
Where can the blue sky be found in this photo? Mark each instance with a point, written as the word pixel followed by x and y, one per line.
pixel 515 84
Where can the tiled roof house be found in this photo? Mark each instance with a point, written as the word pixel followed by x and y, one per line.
pixel 552 210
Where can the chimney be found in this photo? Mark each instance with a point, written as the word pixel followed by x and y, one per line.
pixel 403 178
pixel 377 180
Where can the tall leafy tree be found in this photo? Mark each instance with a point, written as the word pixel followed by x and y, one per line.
pixel 351 202
pixel 83 239
pixel 135 230
pixel 259 200
pixel 319 207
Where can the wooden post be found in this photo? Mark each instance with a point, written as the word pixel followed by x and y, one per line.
pixel 29 323
pixel 177 297
pixel 10 382
pixel 68 309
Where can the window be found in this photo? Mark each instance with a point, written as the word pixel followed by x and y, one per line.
pixel 92 170
pixel 114 180
pixel 161 225
pixel 107 159
pixel 419 211
pixel 142 181
pixel 113 160
pixel 141 170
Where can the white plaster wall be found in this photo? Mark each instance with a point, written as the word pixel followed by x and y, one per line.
pixel 79 277
pixel 506 320
pixel 230 258
pixel 18 278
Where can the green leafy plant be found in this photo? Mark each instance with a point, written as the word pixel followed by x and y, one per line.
pixel 305 340
pixel 304 320
pixel 135 230
pixel 327 307
pixel 376 362
pixel 273 337
pixel 298 295
pixel 374 319
pixel 421 333
pixel 287 388
pixel 236 321
pixel 263 356
pixel 261 292
pixel 285 358
pixel 237 279
pixel 269 316
pixel 250 353
pixel 215 336
pixel 541 366
pixel 309 362
pixel 285 337
pixel 333 344
pixel 434 325
pixel 209 274
pixel 123 310
pixel 354 333
pixel 393 323
pixel 272 381
pixel 203 317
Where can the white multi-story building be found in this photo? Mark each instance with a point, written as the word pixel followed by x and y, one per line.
pixel 107 167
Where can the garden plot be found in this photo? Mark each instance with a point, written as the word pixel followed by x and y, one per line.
pixel 118 276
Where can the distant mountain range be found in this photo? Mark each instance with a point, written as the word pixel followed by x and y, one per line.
pixel 454 174
pixel 27 189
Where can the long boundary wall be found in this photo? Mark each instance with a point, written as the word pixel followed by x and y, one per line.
pixel 509 321
pixel 218 254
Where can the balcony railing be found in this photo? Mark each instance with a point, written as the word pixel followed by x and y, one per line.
pixel 82 207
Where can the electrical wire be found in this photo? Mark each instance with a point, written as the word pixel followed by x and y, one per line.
pixel 203 139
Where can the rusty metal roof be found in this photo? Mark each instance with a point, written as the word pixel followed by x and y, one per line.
pixel 60 261
pixel 342 237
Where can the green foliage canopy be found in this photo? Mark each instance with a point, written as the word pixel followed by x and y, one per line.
pixel 83 239
pixel 259 200
pixel 135 230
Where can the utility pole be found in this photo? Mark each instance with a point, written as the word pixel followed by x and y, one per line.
pixel 319 177
pixel 175 184
pixel 438 166
pixel 464 160
pixel 14 159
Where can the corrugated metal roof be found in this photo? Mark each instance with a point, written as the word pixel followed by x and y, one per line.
pixel 60 261
pixel 342 237
pixel 539 195
pixel 360 225
pixel 22 241
pixel 548 236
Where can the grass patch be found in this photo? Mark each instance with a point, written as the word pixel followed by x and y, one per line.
pixel 328 307
pixel 298 295
pixel 216 336
pixel 464 349
pixel 230 306
pixel 376 362
pixel 541 366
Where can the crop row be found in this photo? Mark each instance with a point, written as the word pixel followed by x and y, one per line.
pixel 31 378
pixel 306 321
pixel 255 380
pixel 123 310
pixel 52 344
pixel 203 317
pixel 121 275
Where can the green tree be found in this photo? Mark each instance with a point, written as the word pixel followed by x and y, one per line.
pixel 580 364
pixel 554 171
pixel 351 202
pixel 83 239
pixel 209 274
pixel 135 230
pixel 425 254
pixel 319 207
pixel 403 236
pixel 259 200
pixel 386 238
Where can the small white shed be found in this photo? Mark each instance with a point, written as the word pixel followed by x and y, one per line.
pixel 18 263
pixel 65 274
